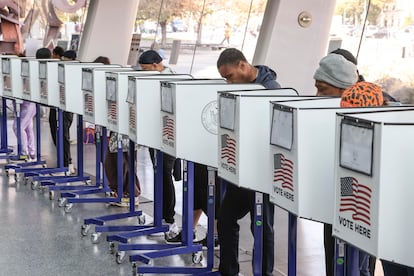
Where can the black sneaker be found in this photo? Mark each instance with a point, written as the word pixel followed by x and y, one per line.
pixel 203 242
pixel 177 238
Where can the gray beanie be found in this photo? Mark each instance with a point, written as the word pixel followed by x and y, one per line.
pixel 335 70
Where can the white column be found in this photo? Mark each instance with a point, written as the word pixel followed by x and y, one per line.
pixel 108 30
pixel 291 50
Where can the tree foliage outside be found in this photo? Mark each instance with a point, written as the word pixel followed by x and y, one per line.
pixel 197 13
pixel 353 11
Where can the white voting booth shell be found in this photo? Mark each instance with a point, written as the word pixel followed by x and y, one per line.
pixel 12 83
pixel 4 69
pixel 302 144
pixel 243 136
pixel 116 99
pixel 189 118
pixel 144 101
pixel 94 93
pixel 48 81
pixel 70 85
pixel 30 79
pixel 374 188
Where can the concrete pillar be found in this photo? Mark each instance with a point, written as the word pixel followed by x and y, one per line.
pixel 108 30
pixel 288 48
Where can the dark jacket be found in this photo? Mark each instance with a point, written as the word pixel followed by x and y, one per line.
pixel 266 77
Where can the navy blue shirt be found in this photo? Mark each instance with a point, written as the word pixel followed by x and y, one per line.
pixel 266 77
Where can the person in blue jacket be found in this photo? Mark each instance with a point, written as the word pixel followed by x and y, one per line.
pixel 237 202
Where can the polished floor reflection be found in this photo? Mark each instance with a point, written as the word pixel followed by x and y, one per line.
pixel 39 238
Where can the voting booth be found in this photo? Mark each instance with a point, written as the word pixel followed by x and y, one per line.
pixel 189 118
pixel 374 183
pixel 12 84
pixel 48 81
pixel 30 79
pixel 243 136
pixel 6 69
pixel 144 105
pixel 93 87
pixel 70 85
pixel 116 99
pixel 302 143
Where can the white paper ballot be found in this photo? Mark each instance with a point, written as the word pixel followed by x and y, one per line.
pixel 356 147
pixel 282 128
pixel 131 91
pixel 87 80
pixel 166 100
pixel 111 89
pixel 227 112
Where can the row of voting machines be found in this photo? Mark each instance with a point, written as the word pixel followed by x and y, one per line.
pixel 349 167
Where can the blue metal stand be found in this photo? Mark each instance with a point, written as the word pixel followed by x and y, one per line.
pixel 26 166
pixel 52 180
pixel 292 244
pixel 4 143
pixel 157 226
pixel 101 183
pixel 10 155
pixel 44 174
pixel 340 258
pixel 100 221
pixel 258 234
pixel 187 245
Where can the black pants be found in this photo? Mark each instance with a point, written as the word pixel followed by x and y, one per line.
pixel 201 189
pixel 236 204
pixel 67 122
pixel 168 189
pixel 329 243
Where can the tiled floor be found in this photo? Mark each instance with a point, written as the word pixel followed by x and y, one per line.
pixel 39 238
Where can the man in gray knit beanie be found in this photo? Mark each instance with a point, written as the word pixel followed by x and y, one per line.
pixel 335 73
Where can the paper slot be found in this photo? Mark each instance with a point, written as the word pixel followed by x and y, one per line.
pixel 25 69
pixel 61 73
pixel 166 100
pixel 282 128
pixel 227 107
pixel 356 146
pixel 5 66
pixel 131 91
pixel 111 89
pixel 87 81
pixel 42 70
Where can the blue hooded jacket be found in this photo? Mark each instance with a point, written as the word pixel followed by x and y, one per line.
pixel 266 77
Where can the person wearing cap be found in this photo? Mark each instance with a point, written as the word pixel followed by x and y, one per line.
pixel 361 94
pixel 334 74
pixel 151 61
pixel 69 55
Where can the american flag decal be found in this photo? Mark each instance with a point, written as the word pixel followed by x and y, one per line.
pixel 43 89
pixel 168 127
pixel 112 110
pixel 283 171
pixel 89 103
pixel 228 149
pixel 132 117
pixel 355 197
pixel 62 94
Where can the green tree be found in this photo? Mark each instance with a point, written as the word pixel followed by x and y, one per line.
pixel 353 11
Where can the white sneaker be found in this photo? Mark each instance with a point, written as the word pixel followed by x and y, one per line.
pixel 71 169
pixel 172 226
pixel 172 232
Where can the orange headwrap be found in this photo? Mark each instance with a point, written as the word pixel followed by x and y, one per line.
pixel 362 94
